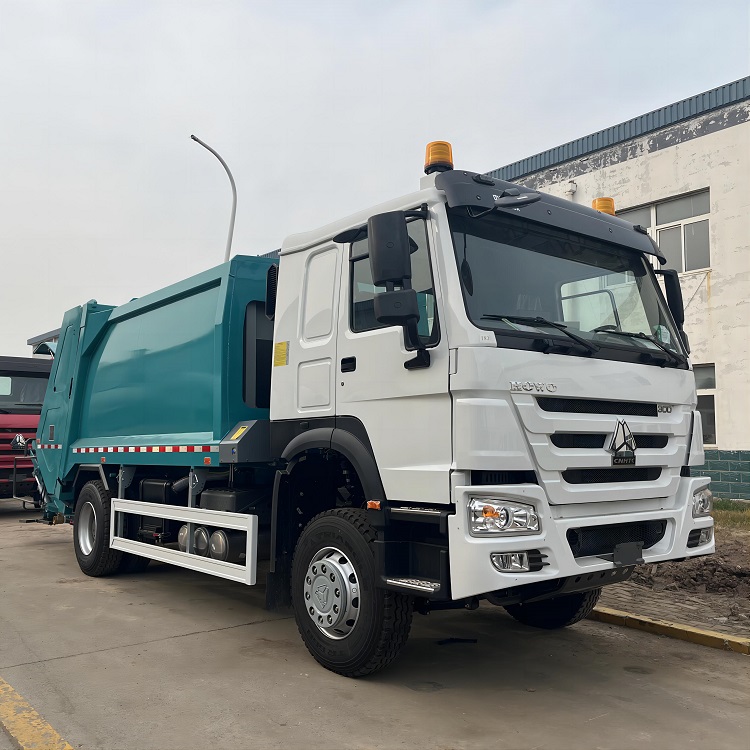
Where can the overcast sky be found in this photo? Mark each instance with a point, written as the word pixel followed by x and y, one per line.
pixel 320 109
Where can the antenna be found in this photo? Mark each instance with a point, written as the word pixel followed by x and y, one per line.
pixel 234 194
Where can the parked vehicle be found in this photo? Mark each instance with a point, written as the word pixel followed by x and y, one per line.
pixel 475 391
pixel 23 381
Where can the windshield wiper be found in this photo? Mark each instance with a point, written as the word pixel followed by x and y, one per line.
pixel 537 321
pixel 679 358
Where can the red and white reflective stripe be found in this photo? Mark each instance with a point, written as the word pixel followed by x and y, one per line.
pixel 146 449
pixel 49 446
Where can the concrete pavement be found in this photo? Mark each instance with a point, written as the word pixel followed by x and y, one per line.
pixel 175 659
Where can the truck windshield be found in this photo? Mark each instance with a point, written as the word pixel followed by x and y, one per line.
pixel 21 394
pixel 530 283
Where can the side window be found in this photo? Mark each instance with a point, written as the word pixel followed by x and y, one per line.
pixel 363 291
pixel 705 384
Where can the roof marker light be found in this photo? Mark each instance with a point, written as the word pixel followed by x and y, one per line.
pixel 438 157
pixel 605 205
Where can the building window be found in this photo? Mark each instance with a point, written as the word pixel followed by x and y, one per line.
pixel 680 228
pixel 705 384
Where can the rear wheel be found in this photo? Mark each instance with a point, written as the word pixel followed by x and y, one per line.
pixel 348 624
pixel 558 612
pixel 91 532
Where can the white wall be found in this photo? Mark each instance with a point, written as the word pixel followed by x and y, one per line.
pixel 718 301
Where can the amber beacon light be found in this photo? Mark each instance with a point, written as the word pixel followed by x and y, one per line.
pixel 438 157
pixel 605 205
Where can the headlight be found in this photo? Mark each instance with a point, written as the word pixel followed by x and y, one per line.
pixel 703 502
pixel 490 516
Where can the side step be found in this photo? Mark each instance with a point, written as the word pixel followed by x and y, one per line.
pixel 194 516
pixel 414 584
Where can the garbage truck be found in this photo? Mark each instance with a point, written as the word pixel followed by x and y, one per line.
pixel 473 393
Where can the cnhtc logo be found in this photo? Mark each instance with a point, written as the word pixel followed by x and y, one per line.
pixel 321 592
pixel 622 447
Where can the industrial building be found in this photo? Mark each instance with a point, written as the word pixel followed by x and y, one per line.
pixel 683 173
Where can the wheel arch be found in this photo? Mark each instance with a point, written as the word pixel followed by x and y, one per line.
pixel 313 443
pixel 85 473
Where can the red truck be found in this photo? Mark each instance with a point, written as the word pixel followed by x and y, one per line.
pixel 23 383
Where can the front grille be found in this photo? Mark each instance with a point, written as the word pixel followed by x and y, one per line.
pixel 591 406
pixel 617 474
pixel 651 441
pixel 601 540
pixel 503 477
pixel 598 439
pixel 578 440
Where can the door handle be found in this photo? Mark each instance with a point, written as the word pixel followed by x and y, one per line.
pixel 348 364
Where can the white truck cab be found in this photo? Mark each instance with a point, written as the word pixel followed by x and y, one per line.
pixel 508 389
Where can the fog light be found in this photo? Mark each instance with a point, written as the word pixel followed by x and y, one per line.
pixel 511 562
pixel 706 535
pixel 489 516
pixel 703 502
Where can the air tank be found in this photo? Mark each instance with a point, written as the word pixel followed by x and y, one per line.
pixel 227 545
pixel 201 540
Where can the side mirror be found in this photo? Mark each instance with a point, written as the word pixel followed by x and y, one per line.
pixel 390 249
pixel 18 443
pixel 398 307
pixel 390 262
pixel 674 295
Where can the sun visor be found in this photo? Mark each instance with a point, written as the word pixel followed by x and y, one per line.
pixel 481 194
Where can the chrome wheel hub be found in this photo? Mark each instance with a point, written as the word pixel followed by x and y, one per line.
pixel 331 592
pixel 86 529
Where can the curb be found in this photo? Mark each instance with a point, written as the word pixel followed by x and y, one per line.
pixel 23 724
pixel 709 638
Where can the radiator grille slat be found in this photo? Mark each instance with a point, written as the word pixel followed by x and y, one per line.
pixel 598 440
pixel 615 474
pixel 592 406
pixel 578 440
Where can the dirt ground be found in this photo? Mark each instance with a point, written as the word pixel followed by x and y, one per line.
pixel 721 580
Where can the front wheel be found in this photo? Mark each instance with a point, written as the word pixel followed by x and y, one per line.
pixel 349 625
pixel 558 612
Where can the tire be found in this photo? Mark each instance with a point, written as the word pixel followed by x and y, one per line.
pixel 91 532
pixel 558 612
pixel 369 625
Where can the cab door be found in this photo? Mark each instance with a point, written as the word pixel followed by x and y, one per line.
pixel 406 413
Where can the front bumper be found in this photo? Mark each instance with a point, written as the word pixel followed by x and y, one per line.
pixel 472 573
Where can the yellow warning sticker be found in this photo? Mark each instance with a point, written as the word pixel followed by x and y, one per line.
pixel 239 432
pixel 281 354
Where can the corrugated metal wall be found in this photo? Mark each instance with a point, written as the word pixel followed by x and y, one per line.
pixel 699 104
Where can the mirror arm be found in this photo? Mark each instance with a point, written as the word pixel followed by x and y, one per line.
pixel 420 361
pixel 420 213
pixel 411 339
